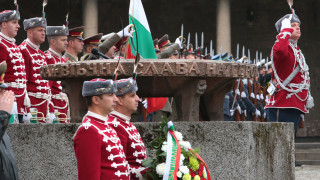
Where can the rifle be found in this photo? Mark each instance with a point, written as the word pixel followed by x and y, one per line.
pixel 255 98
pixel 236 112
pixel 242 116
pixel 259 92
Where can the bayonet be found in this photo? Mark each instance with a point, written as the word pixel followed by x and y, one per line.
pixel 211 53
pixel 257 56
pixel 260 56
pixel 181 50
pixel 188 42
pixel 202 45
pixel 243 51
pixel 238 51
pixel 196 39
pixel 205 52
pixel 248 55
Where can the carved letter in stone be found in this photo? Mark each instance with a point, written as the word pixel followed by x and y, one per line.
pixel 234 71
pixel 151 68
pixel 139 68
pixel 220 69
pixel 211 69
pixel 194 68
pixel 93 68
pixel 64 70
pixel 181 68
pixel 167 69
pixel 104 68
pixel 120 69
pixel 81 71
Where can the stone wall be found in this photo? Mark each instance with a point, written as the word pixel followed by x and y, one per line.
pixel 255 31
pixel 232 150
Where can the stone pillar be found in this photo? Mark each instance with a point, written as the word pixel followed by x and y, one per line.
pixel 90 17
pixel 223 26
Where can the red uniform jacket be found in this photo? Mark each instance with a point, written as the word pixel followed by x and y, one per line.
pixel 131 141
pixel 285 62
pixel 99 151
pixel 59 99
pixel 15 75
pixel 38 89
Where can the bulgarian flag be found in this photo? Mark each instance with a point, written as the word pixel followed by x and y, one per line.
pixel 142 41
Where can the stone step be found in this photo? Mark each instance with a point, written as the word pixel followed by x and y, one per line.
pixel 313 145
pixel 308 156
pixel 309 162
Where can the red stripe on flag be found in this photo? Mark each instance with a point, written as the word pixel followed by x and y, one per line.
pixel 156 104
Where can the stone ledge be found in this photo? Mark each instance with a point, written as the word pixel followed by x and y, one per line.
pixel 149 67
pixel 232 150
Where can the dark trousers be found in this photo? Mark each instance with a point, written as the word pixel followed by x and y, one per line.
pixel 284 115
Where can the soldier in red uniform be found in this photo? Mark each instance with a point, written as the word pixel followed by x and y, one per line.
pixel 120 120
pixel 57 38
pixel 97 146
pixel 37 88
pixel 15 76
pixel 290 96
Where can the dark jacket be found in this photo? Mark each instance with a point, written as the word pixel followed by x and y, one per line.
pixel 8 165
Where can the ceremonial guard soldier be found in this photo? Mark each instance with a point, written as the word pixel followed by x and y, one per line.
pixel 164 42
pixel 8 165
pixel 90 43
pixel 57 38
pixel 75 44
pixel 16 74
pixel 290 95
pixel 97 146
pixel 38 89
pixel 119 119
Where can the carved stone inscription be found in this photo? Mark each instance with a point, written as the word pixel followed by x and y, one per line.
pixel 203 68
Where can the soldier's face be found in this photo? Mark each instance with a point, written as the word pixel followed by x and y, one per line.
pixel 191 56
pixel 107 103
pixel 129 102
pixel 111 52
pixel 37 35
pixel 77 45
pixel 60 43
pixel 296 31
pixel 10 28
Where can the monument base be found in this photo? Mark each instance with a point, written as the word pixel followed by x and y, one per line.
pixel 232 150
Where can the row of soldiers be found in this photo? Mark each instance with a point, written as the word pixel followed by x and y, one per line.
pixel 246 100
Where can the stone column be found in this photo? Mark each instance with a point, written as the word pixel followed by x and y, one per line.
pixel 90 17
pixel 223 26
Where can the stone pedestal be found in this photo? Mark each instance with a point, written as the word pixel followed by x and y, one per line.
pixel 232 150
pixel 185 80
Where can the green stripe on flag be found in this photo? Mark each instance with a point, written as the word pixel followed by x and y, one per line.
pixel 145 42
pixel 173 158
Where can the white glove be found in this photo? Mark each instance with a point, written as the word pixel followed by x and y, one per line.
pixel 252 96
pixel 27 118
pixel 231 112
pixel 257 113
pixel 286 23
pixel 239 109
pixel 245 113
pixel 145 104
pixel 52 117
pixel 302 117
pixel 178 41
pixel 243 95
pixel 126 32
pixel 261 96
pixel 237 92
pixel 258 97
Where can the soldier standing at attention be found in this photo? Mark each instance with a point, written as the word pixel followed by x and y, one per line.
pixel 97 146
pixel 75 44
pixel 57 38
pixel 37 88
pixel 15 76
pixel 290 95
pixel 119 120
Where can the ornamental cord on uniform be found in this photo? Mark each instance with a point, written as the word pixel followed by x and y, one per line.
pixel 112 157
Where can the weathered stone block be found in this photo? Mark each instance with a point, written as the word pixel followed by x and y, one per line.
pixel 232 150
